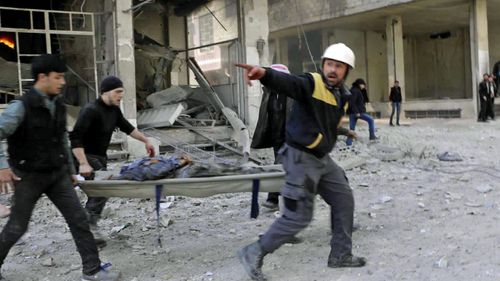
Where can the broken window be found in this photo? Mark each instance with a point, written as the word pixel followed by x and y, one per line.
pixel 206 32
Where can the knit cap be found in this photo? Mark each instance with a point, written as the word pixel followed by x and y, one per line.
pixel 110 83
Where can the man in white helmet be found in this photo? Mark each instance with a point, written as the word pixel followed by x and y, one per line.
pixel 311 133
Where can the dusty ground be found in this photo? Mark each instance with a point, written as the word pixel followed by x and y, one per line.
pixel 419 218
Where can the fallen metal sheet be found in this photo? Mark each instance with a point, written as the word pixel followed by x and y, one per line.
pixel 160 116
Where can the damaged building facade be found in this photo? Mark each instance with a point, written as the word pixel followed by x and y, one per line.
pixel 176 57
pixel 437 49
pixel 170 55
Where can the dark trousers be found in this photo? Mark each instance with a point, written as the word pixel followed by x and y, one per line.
pixel 396 107
pixel 95 205
pixel 305 177
pixel 490 108
pixel 58 187
pixel 482 111
pixel 274 196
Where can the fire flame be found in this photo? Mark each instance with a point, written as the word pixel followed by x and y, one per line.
pixel 7 41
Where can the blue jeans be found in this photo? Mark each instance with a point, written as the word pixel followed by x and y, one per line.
pixel 396 106
pixel 353 119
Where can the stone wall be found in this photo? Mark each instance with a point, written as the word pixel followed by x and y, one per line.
pixel 284 13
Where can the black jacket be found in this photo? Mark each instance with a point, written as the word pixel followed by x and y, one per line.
pixel 273 112
pixel 483 90
pixel 37 144
pixel 313 122
pixel 395 95
pixel 356 102
pixel 95 125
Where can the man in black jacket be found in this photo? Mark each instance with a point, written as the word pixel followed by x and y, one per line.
pixel 270 128
pixel 484 98
pixel 40 163
pixel 492 90
pixel 357 109
pixel 91 136
pixel 395 98
pixel 311 133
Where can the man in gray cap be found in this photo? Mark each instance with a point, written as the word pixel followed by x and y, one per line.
pixel 91 136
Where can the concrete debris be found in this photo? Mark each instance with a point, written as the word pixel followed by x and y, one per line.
pixel 484 188
pixel 115 230
pixel 385 199
pixel 165 222
pixel 449 156
pixel 473 204
pixel 240 131
pixel 163 116
pixel 441 263
pixel 173 95
pixel 386 153
pixel 48 262
pixel 165 205
pixel 453 196
pixel 430 211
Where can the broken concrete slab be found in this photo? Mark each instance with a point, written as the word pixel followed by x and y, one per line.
pixel 168 96
pixel 164 116
pixel 449 156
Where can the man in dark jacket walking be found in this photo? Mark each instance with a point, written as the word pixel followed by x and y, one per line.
pixel 396 99
pixel 270 128
pixel 311 133
pixel 357 109
pixel 40 162
pixel 91 136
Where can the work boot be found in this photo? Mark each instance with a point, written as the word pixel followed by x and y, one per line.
pixel 374 137
pixel 99 238
pixel 102 275
pixel 347 260
pixel 252 257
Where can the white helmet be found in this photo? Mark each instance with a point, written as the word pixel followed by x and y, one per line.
pixel 280 67
pixel 340 52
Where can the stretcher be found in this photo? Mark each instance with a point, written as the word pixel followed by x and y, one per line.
pixel 190 187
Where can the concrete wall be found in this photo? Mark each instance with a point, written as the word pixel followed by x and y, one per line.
pixel 494 41
pixel 369 48
pixel 376 60
pixel 289 13
pixel 151 23
pixel 465 104
pixel 438 68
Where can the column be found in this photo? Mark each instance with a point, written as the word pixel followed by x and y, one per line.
pixel 395 52
pixel 177 39
pixel 255 29
pixel 479 46
pixel 125 57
